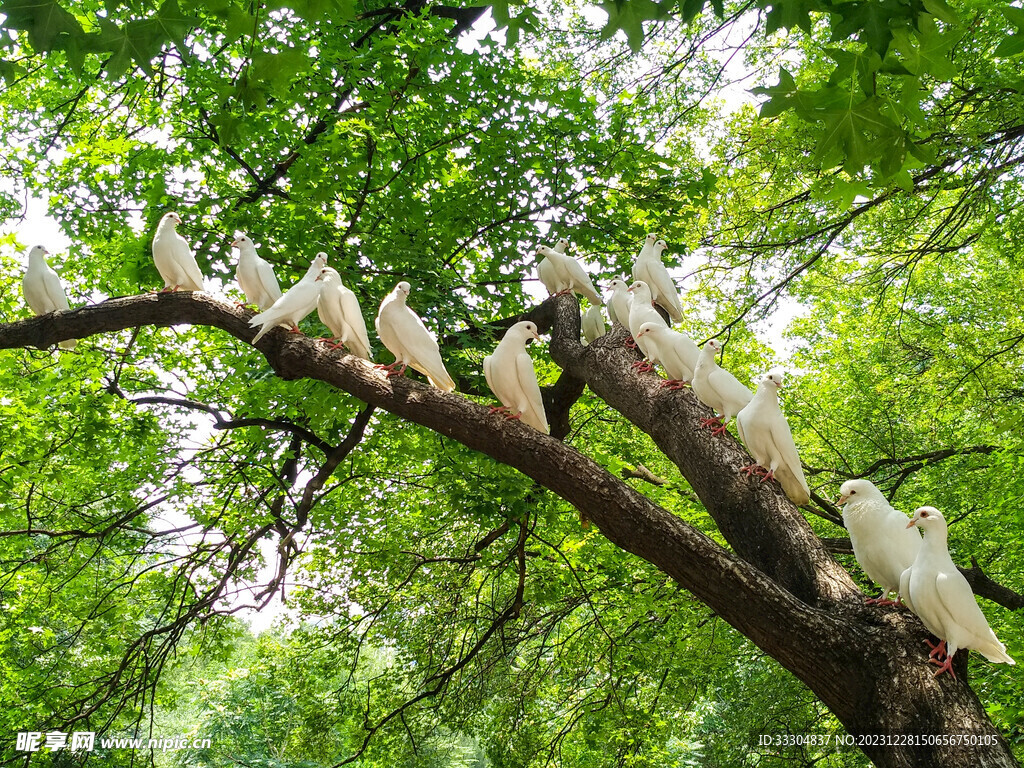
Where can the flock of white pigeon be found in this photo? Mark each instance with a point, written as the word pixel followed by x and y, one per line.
pixel 888 547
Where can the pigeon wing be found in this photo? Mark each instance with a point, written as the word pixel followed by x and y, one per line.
pixel 358 339
pixel 957 598
pixel 581 282
pixel 268 287
pixel 423 352
pixel 792 478
pixel 548 276
pixel 530 401
pixel 54 291
pixel 593 324
pixel 186 263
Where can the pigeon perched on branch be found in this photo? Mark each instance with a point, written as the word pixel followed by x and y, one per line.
pixel 593 324
pixel 403 333
pixel 620 302
pixel 676 353
pixel 939 594
pixel 297 302
pixel 718 388
pixel 510 375
pixel 641 311
pixel 650 269
pixel 765 432
pixel 174 258
pixel 339 310
pixel 568 271
pixel 882 543
pixel 255 276
pixel 44 292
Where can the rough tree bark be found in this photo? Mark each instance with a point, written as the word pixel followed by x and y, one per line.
pixel 780 588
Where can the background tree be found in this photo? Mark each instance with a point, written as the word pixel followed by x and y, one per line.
pixel 168 473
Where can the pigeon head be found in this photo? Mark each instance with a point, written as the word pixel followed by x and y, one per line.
pixel 328 273
pixel 640 286
pixel 616 284
pixel 772 379
pixel 661 245
pixel 171 219
pixel 853 491
pixel 37 250
pixel 928 518
pixel 240 240
pixel 563 242
pixel 647 329
pixel 527 329
pixel 714 344
pixel 403 289
pixel 319 262
pixel 652 238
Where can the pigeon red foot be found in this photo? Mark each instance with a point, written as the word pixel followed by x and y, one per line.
pixel 880 600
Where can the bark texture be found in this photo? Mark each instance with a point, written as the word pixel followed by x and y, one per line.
pixel 779 586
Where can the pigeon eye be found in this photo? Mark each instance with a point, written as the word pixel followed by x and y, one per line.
pixel 852 493
pixel 924 514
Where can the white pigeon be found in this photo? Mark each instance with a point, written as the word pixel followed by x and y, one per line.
pixel 675 351
pixel 941 597
pixel 339 310
pixel 619 303
pixel 641 311
pixel 568 270
pixel 255 276
pixel 650 269
pixel 550 276
pixel 646 251
pixel 766 433
pixel 297 302
pixel 173 257
pixel 882 543
pixel 511 377
pixel 593 324
pixel 718 388
pixel 403 333
pixel 43 290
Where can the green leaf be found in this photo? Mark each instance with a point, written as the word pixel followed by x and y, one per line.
pixel 45 21
pixel 1014 15
pixel 1011 45
pixel 790 14
pixel 240 23
pixel 135 43
pixel 10 71
pixel 928 52
pixel 629 16
pixel 872 22
pixel 940 10
pixel 852 135
pixel 174 24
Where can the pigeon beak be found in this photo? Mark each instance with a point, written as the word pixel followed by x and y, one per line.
pixel 234 243
pixel 536 336
pixel 912 523
pixel 842 500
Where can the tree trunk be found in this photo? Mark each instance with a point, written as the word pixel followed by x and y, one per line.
pixel 780 588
